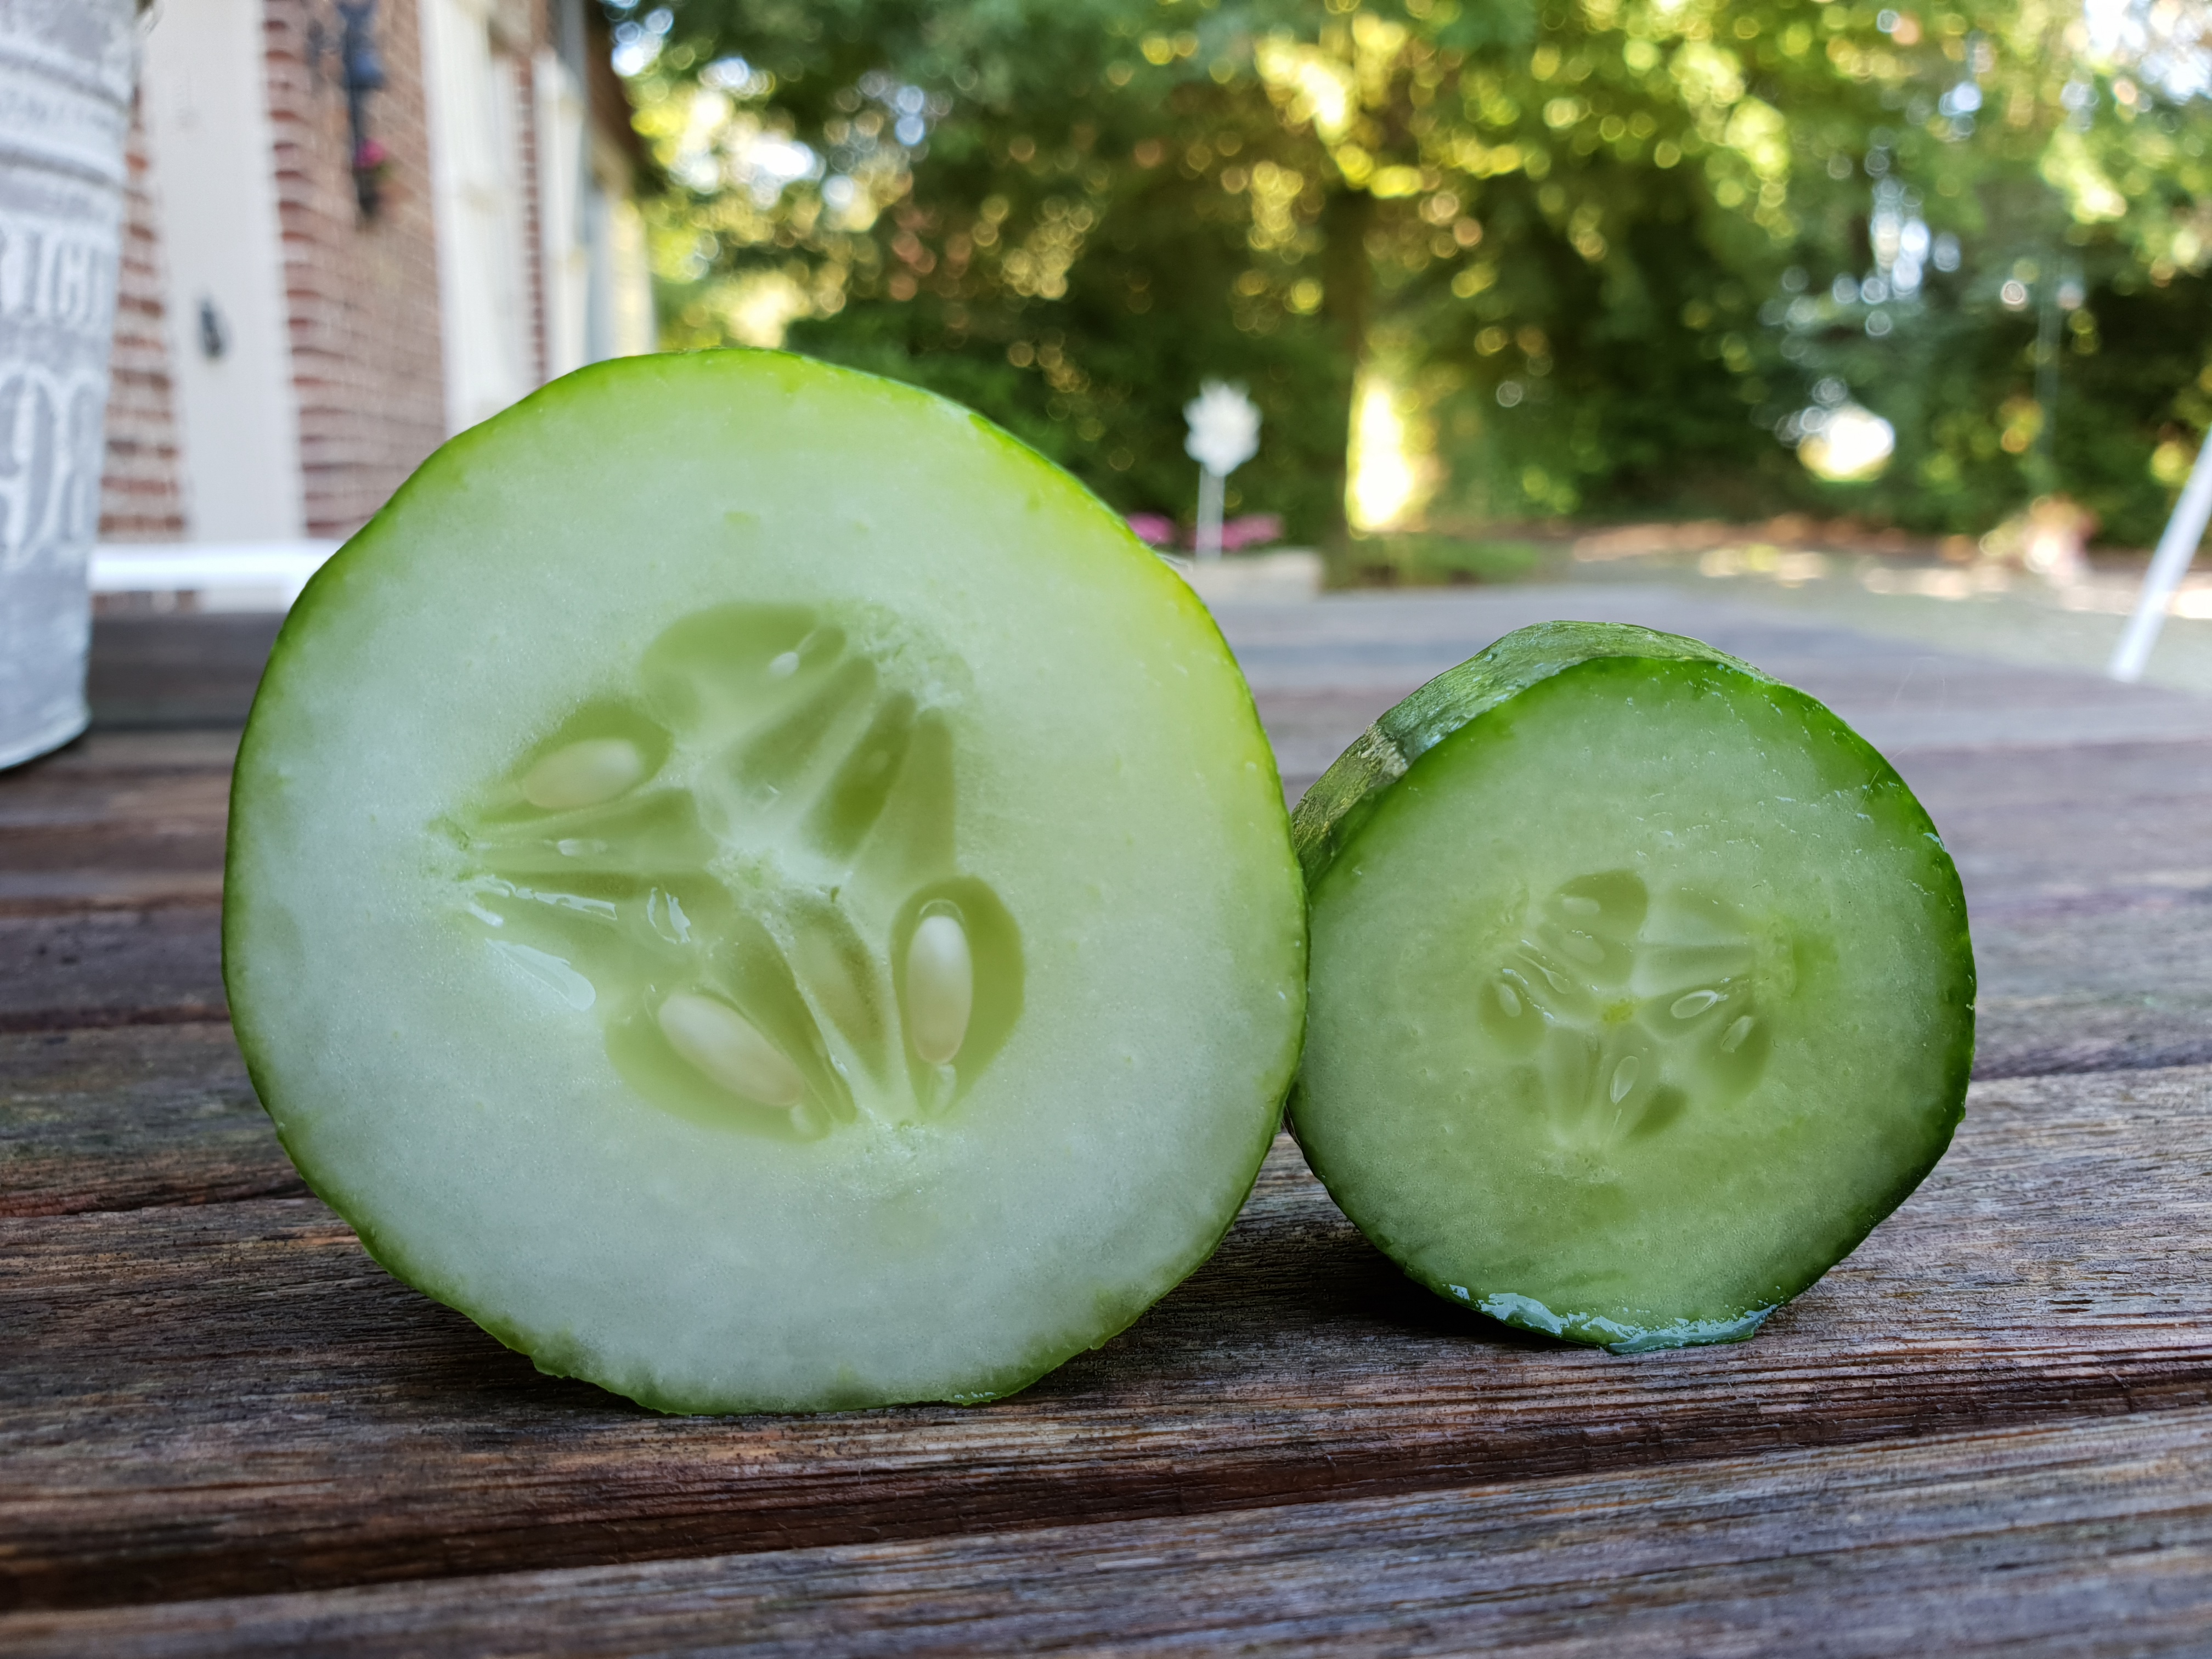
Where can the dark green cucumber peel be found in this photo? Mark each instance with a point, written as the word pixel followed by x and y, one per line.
pixel 1331 812
pixel 1698 1075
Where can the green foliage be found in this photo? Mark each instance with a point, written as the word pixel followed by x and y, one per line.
pixel 1961 381
pixel 1113 213
pixel 1613 248
pixel 1432 560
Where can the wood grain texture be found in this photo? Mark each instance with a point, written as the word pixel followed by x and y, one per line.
pixel 1988 1429
pixel 154 1107
pixel 232 1399
pixel 2089 875
pixel 2104 1548
pixel 2089 878
pixel 103 967
pixel 106 832
pixel 123 1119
pixel 117 819
pixel 177 672
pixel 110 882
pixel 1351 656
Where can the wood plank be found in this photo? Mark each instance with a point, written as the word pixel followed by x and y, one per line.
pixel 111 1120
pixel 110 865
pixel 1321 672
pixel 2092 1537
pixel 154 1107
pixel 110 882
pixel 118 1108
pixel 2089 875
pixel 91 835
pixel 234 1400
pixel 2089 918
pixel 179 670
pixel 108 756
pixel 2031 818
pixel 1903 697
pixel 117 819
pixel 130 965
pixel 2088 905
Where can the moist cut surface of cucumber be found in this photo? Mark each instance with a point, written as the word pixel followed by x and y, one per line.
pixel 754 887
pixel 1641 987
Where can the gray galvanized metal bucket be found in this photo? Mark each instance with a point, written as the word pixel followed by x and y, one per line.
pixel 66 68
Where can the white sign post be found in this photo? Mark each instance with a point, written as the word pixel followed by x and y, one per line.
pixel 2175 549
pixel 1224 433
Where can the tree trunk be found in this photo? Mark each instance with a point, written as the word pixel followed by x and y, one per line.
pixel 1347 282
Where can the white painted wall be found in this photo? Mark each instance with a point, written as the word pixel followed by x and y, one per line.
pixel 476 193
pixel 207 123
pixel 620 320
pixel 561 182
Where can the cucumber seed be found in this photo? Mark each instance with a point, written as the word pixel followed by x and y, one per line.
pixel 940 988
pixel 725 1047
pixel 586 774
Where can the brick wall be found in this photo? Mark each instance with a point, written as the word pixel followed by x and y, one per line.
pixel 141 486
pixel 363 291
pixel 533 224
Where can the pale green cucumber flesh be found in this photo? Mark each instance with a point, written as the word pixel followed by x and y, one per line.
pixel 755 888
pixel 1641 988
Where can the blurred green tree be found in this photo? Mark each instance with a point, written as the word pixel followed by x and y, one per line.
pixel 1048 211
pixel 1606 252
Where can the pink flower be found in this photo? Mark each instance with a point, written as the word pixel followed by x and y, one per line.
pixel 1153 529
pixel 1252 530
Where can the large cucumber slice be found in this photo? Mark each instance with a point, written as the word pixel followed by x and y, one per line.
pixel 754 887
pixel 1641 987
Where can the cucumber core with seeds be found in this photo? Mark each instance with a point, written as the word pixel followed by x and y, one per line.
pixel 1641 987
pixel 754 887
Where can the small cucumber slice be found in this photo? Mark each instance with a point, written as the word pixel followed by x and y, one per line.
pixel 753 886
pixel 1641 987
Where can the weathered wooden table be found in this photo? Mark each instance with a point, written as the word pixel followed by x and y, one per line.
pixel 223 1429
